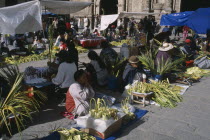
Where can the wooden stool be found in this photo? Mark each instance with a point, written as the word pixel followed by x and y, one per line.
pixel 141 95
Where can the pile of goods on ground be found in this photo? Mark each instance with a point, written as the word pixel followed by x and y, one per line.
pixel 101 111
pixel 165 94
pixel 74 134
pixel 193 73
pixel 115 43
pixel 36 57
pixel 129 115
pixel 80 49
pixel 25 59
pixel 102 118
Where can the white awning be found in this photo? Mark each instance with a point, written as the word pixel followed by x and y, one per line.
pixel 26 17
pixel 64 7
pixel 21 18
pixel 106 20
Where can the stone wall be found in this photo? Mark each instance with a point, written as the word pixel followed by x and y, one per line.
pixel 177 6
pixel 85 12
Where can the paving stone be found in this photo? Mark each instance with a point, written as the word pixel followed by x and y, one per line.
pixel 141 135
pixel 149 122
pixel 203 131
pixel 184 135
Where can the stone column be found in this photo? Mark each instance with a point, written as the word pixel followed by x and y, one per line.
pixel 168 6
pixel 146 5
pixel 97 7
pixel 121 6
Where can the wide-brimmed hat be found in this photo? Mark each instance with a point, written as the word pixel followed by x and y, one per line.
pixel 166 47
pixel 133 60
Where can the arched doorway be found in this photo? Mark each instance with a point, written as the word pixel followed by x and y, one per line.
pixel 192 5
pixel 10 2
pixel 108 7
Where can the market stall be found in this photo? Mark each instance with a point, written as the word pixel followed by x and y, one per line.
pixel 91 42
pixel 175 19
pixel 192 19
pixel 106 20
pixel 26 17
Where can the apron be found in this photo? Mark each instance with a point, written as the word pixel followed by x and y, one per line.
pixel 70 104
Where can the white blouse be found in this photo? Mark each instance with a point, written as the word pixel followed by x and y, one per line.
pixel 65 75
pixel 81 96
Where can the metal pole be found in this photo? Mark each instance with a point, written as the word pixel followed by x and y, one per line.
pixel 92 10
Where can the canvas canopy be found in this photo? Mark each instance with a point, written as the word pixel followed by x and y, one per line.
pixel 26 17
pixel 106 20
pixel 21 18
pixel 64 7
pixel 175 19
pixel 199 21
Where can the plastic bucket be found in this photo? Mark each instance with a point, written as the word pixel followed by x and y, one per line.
pixel 158 77
pixel 112 83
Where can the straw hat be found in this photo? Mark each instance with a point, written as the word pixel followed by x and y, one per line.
pixel 133 60
pixel 166 47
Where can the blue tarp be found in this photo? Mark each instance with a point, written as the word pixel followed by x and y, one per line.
pixel 199 21
pixel 175 19
pixel 48 13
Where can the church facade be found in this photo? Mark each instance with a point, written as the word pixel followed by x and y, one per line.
pixel 106 7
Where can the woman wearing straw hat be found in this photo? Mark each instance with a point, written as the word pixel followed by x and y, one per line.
pixel 132 72
pixel 164 53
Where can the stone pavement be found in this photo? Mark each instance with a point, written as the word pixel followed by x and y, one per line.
pixel 190 120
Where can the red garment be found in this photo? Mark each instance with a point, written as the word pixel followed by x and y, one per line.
pixel 68 25
pixel 63 47
pixel 185 28
pixel 97 33
pixel 70 104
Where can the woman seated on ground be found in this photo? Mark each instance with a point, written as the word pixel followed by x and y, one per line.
pixel 100 68
pixel 66 70
pixel 19 45
pixel 73 52
pixel 107 53
pixel 79 94
pixel 96 32
pixel 164 53
pixel 189 50
pixel 133 72
pixel 40 47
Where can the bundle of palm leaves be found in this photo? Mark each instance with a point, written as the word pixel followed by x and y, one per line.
pixel 17 104
pixel 168 65
pixel 115 68
pixel 162 66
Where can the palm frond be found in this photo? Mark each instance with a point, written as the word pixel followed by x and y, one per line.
pixel 19 105
pixel 9 73
pixel 166 66
pixel 148 62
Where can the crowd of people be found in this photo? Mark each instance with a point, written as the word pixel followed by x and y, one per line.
pixel 129 27
pixel 79 84
pixel 12 43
